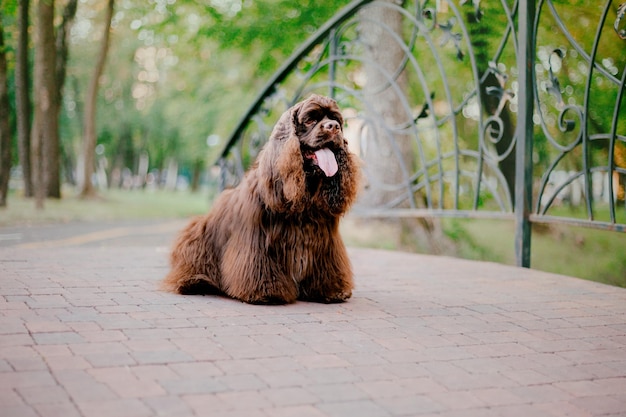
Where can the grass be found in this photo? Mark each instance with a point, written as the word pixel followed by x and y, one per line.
pixel 109 205
pixel 590 254
pixel 580 252
pixel 595 255
pixel 586 253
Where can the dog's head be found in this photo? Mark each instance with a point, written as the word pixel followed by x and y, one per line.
pixel 317 124
pixel 307 158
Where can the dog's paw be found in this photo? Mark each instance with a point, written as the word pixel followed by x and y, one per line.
pixel 271 301
pixel 339 297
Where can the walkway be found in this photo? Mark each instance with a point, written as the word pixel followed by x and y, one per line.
pixel 84 332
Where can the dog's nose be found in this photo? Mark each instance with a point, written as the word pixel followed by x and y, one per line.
pixel 331 126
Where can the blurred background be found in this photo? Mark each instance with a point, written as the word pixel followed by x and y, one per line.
pixel 119 109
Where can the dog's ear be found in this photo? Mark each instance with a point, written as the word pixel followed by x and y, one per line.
pixel 295 112
pixel 282 128
pixel 281 166
pixel 290 170
pixel 286 125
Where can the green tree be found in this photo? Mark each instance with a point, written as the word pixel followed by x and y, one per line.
pixel 89 144
pixel 5 129
pixel 22 95
pixel 182 73
pixel 44 139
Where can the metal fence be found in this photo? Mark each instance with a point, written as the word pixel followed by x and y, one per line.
pixel 511 110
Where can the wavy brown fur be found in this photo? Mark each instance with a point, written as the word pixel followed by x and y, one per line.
pixel 275 237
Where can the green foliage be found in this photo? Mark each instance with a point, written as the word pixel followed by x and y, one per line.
pixel 269 31
pixel 111 205
pixel 578 252
pixel 9 7
pixel 177 71
pixel 181 71
pixel 189 69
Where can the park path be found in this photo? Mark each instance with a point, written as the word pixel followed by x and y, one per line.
pixel 85 332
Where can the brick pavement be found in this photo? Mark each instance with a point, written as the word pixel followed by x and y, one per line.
pixel 84 332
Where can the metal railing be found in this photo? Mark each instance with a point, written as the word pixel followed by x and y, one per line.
pixel 468 109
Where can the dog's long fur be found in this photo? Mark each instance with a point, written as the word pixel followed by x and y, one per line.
pixel 275 237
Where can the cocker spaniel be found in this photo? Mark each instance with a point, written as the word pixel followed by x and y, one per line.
pixel 274 238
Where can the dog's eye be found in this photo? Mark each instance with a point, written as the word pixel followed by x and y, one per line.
pixel 312 117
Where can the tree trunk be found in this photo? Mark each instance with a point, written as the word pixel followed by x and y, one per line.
pixel 89 140
pixel 51 145
pixel 386 151
pixel 171 179
pixel 491 104
pixel 44 139
pixel 195 176
pixel 62 41
pixel 62 51
pixel 5 126
pixel 22 97
pixel 389 155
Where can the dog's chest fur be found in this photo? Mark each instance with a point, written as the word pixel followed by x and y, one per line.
pixel 298 242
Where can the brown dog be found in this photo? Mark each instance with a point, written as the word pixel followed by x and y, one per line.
pixel 275 237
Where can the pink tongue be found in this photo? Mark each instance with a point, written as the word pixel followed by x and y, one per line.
pixel 326 161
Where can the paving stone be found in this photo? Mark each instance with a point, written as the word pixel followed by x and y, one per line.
pixel 61 363
pixel 601 404
pixel 13 339
pixel 164 357
pixel 56 338
pixel 291 411
pixel 65 409
pixel 280 379
pixel 154 372
pixel 410 405
pixel 244 400
pixel 26 379
pixel 110 359
pixel 43 395
pixel 497 396
pixel 28 364
pixel 242 382
pixel 369 373
pixel 361 408
pixel 437 337
pixel 119 407
pixel 321 361
pixel 398 388
pixel 168 406
pixel 457 400
pixel 19 411
pixel 562 408
pixel 329 375
pixel 95 336
pixel 289 396
pixel 46 326
pixel 337 392
pixel 203 404
pixel 196 385
pixel 10 398
pixel 241 366
pixel 195 368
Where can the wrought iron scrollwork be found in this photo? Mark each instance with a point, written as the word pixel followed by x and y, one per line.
pixel 554 87
pixel 619 28
pixel 453 135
